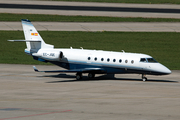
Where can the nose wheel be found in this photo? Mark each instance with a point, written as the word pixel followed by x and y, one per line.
pixel 144 78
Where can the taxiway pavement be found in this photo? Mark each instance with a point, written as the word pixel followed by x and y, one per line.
pixel 96 26
pixel 27 95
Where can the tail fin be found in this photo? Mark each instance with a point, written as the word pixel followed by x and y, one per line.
pixel 33 39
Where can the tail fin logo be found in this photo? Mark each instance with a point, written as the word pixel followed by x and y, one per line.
pixel 34 34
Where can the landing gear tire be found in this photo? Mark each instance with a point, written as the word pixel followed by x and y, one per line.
pixel 144 79
pixel 78 76
pixel 91 75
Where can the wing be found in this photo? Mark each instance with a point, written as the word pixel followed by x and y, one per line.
pixel 85 70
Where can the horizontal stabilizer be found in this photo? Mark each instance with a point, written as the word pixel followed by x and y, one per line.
pixel 85 70
pixel 24 40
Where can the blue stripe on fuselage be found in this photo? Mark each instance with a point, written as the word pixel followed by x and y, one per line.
pixel 81 65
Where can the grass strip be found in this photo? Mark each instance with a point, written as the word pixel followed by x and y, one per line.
pixel 163 46
pixel 129 1
pixel 62 18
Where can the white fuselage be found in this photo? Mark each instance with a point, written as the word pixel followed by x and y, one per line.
pixel 112 62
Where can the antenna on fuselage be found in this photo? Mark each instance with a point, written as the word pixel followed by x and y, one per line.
pixel 123 51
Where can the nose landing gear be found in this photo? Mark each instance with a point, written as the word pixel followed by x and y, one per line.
pixel 144 78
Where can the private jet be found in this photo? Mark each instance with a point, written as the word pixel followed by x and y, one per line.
pixel 93 62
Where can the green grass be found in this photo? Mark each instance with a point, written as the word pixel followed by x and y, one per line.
pixel 164 47
pixel 129 1
pixel 61 18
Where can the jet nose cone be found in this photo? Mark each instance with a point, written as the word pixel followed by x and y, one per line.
pixel 162 70
pixel 167 71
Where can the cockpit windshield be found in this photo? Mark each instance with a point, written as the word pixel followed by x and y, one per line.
pixel 143 60
pixel 150 60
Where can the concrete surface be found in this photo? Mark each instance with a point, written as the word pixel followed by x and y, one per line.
pixel 92 13
pixel 27 95
pixel 96 26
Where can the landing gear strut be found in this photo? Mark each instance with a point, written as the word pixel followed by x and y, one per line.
pixel 78 76
pixel 144 78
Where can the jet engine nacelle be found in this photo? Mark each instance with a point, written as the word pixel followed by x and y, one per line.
pixel 49 55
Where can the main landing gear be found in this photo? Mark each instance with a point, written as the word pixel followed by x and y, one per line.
pixel 91 75
pixel 144 78
pixel 79 75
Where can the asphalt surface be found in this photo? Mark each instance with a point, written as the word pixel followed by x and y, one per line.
pixel 27 95
pixel 90 9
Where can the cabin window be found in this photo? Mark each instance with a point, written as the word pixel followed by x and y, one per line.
pixel 89 58
pixel 95 58
pixel 102 59
pixel 132 61
pixel 108 59
pixel 114 60
pixel 120 60
pixel 126 61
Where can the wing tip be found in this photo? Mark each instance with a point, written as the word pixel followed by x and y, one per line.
pixel 35 69
pixel 10 40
